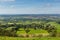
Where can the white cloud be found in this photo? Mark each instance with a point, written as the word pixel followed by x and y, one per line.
pixel 7 11
pixel 37 10
pixel 28 10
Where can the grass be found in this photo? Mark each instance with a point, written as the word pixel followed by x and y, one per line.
pixel 56 25
pixel 32 31
pixel 38 31
pixel 34 38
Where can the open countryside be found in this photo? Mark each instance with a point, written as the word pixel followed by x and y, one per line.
pixel 30 27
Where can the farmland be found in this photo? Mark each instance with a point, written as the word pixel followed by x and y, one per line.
pixel 30 27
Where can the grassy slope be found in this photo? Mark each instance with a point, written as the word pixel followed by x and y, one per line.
pixel 32 31
pixel 56 25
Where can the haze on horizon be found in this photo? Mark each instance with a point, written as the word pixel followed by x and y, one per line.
pixel 29 6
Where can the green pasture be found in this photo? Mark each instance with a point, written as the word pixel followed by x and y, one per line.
pixel 34 38
pixel 32 31
pixel 56 25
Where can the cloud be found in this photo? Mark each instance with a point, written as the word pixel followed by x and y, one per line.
pixel 29 10
pixel 38 11
pixel 7 11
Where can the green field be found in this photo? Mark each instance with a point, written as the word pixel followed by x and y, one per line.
pixel 25 28
pixel 32 31
pixel 56 25
pixel 34 38
pixel 21 32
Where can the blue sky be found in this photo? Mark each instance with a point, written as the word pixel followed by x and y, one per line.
pixel 29 6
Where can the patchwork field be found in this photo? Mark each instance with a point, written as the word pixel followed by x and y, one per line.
pixel 30 27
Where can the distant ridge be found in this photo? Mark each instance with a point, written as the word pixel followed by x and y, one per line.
pixel 29 14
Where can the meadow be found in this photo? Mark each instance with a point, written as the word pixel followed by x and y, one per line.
pixel 34 38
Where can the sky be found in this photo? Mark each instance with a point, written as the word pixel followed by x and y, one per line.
pixel 29 6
